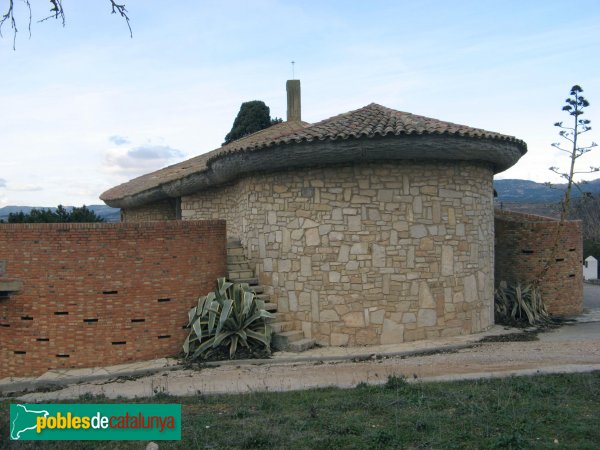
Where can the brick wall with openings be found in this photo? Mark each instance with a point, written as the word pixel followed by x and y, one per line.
pixel 102 294
pixel 524 244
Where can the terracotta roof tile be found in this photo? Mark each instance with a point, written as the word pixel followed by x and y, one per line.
pixel 370 121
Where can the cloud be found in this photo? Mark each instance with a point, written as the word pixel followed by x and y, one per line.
pixel 25 188
pixel 118 140
pixel 154 152
pixel 19 187
pixel 140 159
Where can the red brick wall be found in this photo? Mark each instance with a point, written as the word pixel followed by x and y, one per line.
pixel 102 294
pixel 524 243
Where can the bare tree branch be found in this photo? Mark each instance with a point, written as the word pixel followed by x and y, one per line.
pixel 56 12
pixel 116 8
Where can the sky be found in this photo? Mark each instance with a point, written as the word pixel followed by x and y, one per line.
pixel 85 107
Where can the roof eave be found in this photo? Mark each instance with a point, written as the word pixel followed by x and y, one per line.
pixel 499 153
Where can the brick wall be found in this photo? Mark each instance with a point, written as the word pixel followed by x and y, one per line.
pixel 101 294
pixel 524 243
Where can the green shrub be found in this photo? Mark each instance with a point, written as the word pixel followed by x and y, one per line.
pixel 230 316
pixel 516 304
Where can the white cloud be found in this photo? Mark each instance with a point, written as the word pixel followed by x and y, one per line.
pixel 25 188
pixel 118 140
pixel 138 160
pixel 2 183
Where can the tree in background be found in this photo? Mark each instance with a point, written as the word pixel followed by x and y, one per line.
pixel 587 209
pixel 574 106
pixel 253 116
pixel 60 215
pixel 56 12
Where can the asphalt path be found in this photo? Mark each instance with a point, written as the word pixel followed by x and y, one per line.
pixel 591 296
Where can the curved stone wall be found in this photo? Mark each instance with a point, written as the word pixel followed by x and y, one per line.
pixel 367 254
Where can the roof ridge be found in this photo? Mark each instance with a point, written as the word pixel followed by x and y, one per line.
pixel 269 128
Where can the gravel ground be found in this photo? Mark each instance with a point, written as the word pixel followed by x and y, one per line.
pixel 572 347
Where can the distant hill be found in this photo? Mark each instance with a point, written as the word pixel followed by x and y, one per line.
pixel 516 195
pixel 526 191
pixel 536 198
pixel 106 212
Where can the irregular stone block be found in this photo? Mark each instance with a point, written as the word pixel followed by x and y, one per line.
pixel 447 260
pixel 305 266
pixel 344 253
pixel 297 234
pixel 392 333
pixel 284 265
pixel 354 223
pixel 329 315
pixel 385 195
pixel 418 231
pixel 425 298
pixel 339 339
pixel 355 319
pixel 376 317
pixel 470 288
pixel 426 318
pixel 409 317
pixel 360 248
pixel 304 298
pixel 312 237
pixel 314 304
pixel 378 255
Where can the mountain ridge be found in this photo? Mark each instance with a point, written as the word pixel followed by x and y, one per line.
pixel 527 191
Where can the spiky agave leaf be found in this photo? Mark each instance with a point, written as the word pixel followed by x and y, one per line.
pixel 230 316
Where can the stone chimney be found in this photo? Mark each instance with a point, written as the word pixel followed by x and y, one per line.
pixel 293 100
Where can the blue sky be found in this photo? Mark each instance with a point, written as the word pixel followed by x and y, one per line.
pixel 85 107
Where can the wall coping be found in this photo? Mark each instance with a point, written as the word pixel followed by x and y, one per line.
pixel 149 225
pixel 512 216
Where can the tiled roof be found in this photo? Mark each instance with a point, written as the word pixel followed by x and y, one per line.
pixel 370 121
pixel 199 163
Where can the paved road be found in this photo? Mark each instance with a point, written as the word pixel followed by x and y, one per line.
pixel 591 296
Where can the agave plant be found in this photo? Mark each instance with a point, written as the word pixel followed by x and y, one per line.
pixel 230 316
pixel 518 303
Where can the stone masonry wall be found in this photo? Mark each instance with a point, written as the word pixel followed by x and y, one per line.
pixel 368 254
pixel 524 243
pixel 229 203
pixel 162 210
pixel 102 294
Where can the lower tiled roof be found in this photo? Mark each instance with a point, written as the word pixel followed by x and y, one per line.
pixel 368 122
